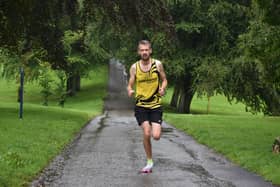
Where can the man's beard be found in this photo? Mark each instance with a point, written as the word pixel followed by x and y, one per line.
pixel 145 57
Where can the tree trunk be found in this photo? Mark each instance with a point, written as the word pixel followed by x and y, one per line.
pixel 78 82
pixel 71 85
pixel 184 105
pixel 272 102
pixel 273 108
pixel 186 95
pixel 181 107
pixel 175 96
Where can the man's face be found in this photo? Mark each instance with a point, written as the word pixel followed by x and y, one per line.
pixel 145 51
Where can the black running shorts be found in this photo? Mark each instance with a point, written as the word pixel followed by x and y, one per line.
pixel 145 114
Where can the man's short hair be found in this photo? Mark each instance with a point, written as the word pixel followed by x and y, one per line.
pixel 145 42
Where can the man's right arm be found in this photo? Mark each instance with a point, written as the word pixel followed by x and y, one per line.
pixel 131 81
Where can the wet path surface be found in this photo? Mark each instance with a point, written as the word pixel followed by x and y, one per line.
pixel 109 152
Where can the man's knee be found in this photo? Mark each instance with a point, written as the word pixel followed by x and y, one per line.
pixel 156 131
pixel 156 137
pixel 147 133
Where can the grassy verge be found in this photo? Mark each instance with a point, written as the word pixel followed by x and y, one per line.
pixel 28 145
pixel 242 137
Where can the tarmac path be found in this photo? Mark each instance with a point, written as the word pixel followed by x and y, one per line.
pixel 109 152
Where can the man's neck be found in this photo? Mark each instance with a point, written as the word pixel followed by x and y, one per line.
pixel 145 62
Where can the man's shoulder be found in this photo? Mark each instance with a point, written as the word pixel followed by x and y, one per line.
pixel 135 63
pixel 156 61
pixel 158 64
pixel 133 66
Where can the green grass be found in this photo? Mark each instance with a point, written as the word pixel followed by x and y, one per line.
pixel 244 138
pixel 28 145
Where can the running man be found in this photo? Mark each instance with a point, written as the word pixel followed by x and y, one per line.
pixel 150 83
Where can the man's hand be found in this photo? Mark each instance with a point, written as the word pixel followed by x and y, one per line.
pixel 130 92
pixel 161 91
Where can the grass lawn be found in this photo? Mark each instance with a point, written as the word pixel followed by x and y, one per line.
pixel 244 138
pixel 28 145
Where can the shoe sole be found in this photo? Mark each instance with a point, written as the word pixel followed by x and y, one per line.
pixel 146 171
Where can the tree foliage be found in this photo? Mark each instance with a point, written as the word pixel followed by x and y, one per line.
pixel 255 75
pixel 124 23
pixel 34 31
pixel 207 32
pixel 207 47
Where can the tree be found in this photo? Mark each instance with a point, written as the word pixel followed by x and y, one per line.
pixel 206 30
pixel 209 78
pixel 271 10
pixel 77 63
pixel 128 22
pixel 255 76
pixel 31 26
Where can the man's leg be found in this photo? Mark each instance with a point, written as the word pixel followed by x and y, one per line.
pixel 156 128
pixel 156 119
pixel 147 139
pixel 147 146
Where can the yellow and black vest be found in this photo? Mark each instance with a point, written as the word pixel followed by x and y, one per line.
pixel 147 87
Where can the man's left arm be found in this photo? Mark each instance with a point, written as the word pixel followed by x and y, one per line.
pixel 163 79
